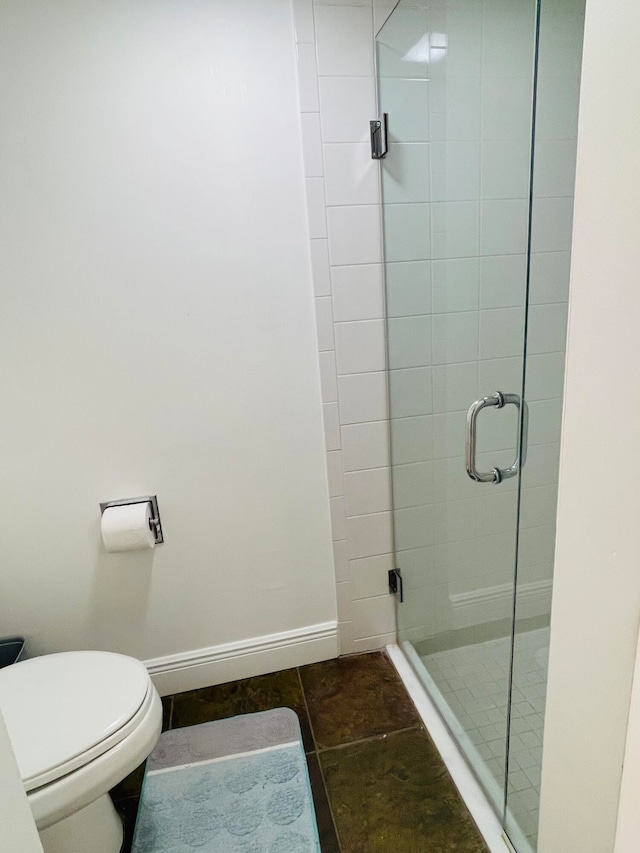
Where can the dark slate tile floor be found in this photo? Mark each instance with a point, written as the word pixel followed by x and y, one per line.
pixel 378 783
pixel 261 693
pixel 354 698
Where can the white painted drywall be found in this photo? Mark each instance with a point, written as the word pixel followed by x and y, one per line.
pixel 596 598
pixel 17 828
pixel 157 330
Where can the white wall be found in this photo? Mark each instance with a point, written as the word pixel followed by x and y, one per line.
pixel 157 327
pixel 17 827
pixel 596 598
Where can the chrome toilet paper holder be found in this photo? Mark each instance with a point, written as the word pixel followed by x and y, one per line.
pixel 155 525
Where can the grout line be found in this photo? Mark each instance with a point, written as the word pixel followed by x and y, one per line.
pixel 328 799
pixel 342 76
pixel 380 736
pixel 463 311
pixel 317 755
pixel 306 707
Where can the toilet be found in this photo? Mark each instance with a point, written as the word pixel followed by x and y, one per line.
pixel 79 722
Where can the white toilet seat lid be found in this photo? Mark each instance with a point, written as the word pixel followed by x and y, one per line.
pixel 64 709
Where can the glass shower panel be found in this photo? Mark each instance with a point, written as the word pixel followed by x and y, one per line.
pixel 456 79
pixel 555 137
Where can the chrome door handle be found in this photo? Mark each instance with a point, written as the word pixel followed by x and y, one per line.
pixel 496 475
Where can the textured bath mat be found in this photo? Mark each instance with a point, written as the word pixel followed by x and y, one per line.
pixel 232 786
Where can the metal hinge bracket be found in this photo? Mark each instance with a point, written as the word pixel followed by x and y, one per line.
pixel 395 583
pixel 378 132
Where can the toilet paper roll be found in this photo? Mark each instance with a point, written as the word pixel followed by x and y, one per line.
pixel 126 528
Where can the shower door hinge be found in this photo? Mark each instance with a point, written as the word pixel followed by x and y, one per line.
pixel 395 583
pixel 378 133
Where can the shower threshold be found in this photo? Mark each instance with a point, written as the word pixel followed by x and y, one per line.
pixel 444 735
pixel 482 669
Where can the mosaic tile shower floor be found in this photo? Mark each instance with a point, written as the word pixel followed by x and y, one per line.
pixel 472 681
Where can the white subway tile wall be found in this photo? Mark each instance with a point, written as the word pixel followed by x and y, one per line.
pixel 335 44
pixel 455 188
pixel 311 145
pixel 316 212
pixel 307 78
pixel 320 267
pixel 357 292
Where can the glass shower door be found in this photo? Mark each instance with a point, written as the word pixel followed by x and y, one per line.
pixel 561 26
pixel 477 184
pixel 457 80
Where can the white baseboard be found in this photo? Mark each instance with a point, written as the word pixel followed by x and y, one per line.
pixel 496 602
pixel 243 659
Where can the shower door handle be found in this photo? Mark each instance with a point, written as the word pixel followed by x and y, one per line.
pixel 496 475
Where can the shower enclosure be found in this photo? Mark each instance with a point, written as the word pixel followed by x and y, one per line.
pixel 482 104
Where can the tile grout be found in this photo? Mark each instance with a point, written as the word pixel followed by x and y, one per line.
pixel 317 755
pixel 306 707
pixel 379 736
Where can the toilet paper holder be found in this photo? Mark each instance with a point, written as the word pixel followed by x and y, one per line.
pixel 155 525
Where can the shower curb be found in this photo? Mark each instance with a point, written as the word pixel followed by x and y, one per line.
pixel 468 787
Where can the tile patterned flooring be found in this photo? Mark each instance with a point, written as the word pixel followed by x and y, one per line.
pixel 473 681
pixel 378 783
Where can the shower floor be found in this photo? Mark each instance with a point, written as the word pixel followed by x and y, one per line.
pixel 472 681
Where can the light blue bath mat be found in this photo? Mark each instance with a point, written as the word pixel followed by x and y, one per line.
pixel 232 786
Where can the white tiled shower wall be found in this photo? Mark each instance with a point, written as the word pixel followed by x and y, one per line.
pixel 461 184
pixel 335 47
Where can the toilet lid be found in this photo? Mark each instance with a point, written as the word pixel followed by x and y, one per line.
pixel 62 708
